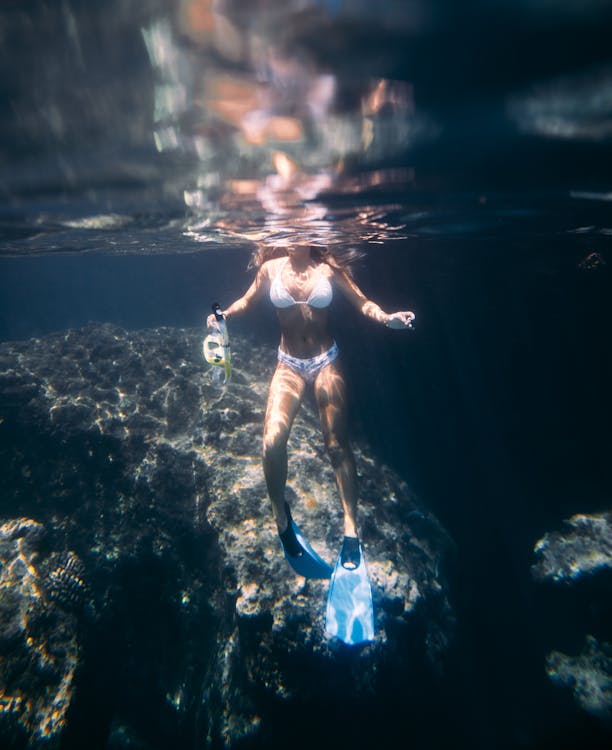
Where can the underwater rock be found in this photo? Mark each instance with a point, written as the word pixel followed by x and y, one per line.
pixel 161 547
pixel 39 645
pixel 585 547
pixel 589 675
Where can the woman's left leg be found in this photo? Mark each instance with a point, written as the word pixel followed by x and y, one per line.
pixel 330 394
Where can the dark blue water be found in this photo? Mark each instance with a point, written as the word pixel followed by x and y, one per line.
pixel 466 151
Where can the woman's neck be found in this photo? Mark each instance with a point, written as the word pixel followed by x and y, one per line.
pixel 299 258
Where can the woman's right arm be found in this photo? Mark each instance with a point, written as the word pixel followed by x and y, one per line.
pixel 253 294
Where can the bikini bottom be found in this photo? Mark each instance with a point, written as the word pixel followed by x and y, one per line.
pixel 309 368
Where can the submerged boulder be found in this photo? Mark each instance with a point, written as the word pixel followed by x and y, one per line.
pixel 39 643
pixel 584 547
pixel 161 568
pixel 582 550
pixel 589 675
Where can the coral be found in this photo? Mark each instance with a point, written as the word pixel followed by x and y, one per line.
pixel 65 581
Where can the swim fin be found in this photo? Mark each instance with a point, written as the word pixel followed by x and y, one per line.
pixel 300 555
pixel 350 614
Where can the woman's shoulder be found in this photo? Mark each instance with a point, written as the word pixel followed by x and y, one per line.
pixel 333 271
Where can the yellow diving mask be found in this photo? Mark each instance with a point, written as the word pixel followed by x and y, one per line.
pixel 216 347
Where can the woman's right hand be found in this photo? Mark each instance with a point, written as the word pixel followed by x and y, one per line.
pixel 212 323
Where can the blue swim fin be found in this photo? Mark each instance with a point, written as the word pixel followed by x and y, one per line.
pixel 350 614
pixel 306 562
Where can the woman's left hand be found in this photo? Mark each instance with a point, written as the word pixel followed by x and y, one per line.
pixel 401 320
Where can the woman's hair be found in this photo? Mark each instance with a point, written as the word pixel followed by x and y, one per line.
pixel 334 257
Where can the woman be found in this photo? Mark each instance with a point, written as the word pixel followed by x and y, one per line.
pixel 301 285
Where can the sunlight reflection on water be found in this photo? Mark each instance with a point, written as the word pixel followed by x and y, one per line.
pixel 271 130
pixel 190 125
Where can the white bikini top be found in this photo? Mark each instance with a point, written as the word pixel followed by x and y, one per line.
pixel 320 296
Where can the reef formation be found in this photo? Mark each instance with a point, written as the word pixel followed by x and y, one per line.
pixel 145 599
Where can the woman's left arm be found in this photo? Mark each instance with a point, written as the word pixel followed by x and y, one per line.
pixel 399 320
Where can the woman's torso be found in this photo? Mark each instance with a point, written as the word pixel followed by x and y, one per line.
pixel 302 301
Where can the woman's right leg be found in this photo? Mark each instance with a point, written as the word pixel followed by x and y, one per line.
pixel 284 398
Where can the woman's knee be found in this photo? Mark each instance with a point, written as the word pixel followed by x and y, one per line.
pixel 274 441
pixel 337 448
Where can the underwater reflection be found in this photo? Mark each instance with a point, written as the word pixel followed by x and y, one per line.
pixel 268 125
pixel 577 108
